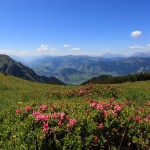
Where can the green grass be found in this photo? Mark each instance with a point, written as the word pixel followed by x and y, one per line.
pixel 13 90
pixel 75 100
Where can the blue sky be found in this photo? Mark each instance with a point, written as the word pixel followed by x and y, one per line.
pixel 76 27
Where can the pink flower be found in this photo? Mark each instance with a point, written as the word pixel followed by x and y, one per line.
pixel 113 113
pixel 36 113
pixel 112 104
pixel 45 127
pixel 101 125
pixel 93 104
pixel 105 113
pixel 18 111
pixel 81 91
pixel 28 108
pixel 148 116
pixel 146 119
pixel 118 107
pixel 43 107
pixel 54 115
pixel 108 104
pixel 72 122
pixel 99 107
pixel 42 117
pixel 59 123
pixel 137 118
pixel 112 99
pixel 62 115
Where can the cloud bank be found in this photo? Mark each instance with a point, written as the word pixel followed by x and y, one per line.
pixel 146 47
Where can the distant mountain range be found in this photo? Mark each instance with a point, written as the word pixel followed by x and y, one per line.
pixel 75 70
pixel 78 69
pixel 141 54
pixel 110 55
pixel 8 66
pixel 136 54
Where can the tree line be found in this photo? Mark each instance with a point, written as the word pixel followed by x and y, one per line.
pixel 108 79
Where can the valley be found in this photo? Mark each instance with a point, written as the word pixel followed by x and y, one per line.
pixel 74 70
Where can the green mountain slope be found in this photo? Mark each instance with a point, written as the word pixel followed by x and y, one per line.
pixel 108 79
pixel 10 67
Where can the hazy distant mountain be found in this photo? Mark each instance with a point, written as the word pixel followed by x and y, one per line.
pixel 11 67
pixel 141 54
pixel 78 69
pixel 111 55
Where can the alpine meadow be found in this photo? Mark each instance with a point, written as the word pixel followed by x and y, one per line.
pixel 44 116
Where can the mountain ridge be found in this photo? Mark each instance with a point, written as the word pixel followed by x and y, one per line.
pixel 17 69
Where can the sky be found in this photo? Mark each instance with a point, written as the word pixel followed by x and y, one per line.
pixel 74 27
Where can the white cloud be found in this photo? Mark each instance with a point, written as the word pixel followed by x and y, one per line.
pixel 76 49
pixel 7 52
pixel 146 47
pixel 137 47
pixel 136 34
pixel 45 49
pixel 66 46
pixel 18 53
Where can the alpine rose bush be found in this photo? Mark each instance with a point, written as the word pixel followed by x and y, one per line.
pixel 37 116
pixel 87 124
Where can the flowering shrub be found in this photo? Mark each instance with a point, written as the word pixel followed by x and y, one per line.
pixel 90 124
pixel 94 91
pixel 86 117
pixel 43 107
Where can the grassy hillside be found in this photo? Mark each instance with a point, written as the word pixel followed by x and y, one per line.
pixel 79 117
pixel 13 89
